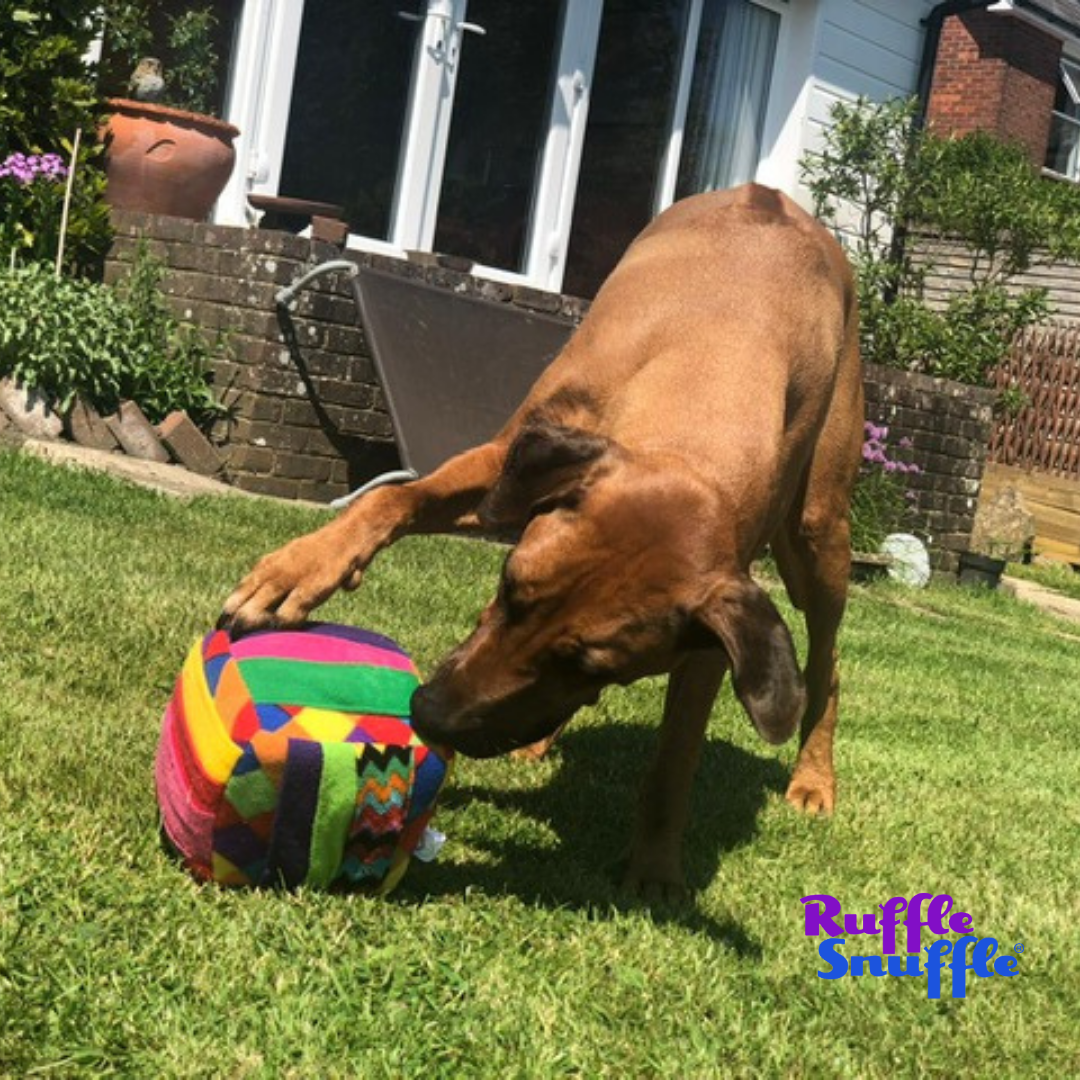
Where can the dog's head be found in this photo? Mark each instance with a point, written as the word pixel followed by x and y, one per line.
pixel 614 578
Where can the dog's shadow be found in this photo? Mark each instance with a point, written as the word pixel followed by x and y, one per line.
pixel 585 812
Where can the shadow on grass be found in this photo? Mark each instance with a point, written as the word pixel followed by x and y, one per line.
pixel 589 806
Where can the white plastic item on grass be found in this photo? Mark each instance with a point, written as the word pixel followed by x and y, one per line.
pixel 431 843
pixel 910 563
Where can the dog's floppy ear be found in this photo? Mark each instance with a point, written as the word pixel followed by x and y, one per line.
pixel 545 464
pixel 764 669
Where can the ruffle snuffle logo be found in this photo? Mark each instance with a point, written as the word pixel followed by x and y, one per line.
pixel 979 955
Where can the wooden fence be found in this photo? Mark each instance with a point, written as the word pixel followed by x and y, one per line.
pixel 1044 435
pixel 1053 502
pixel 1037 450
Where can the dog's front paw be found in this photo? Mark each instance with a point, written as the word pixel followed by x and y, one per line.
pixel 655 879
pixel 286 585
pixel 812 791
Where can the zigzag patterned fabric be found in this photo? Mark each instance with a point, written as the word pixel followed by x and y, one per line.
pixel 288 758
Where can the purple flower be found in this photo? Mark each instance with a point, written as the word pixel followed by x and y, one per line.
pixel 25 169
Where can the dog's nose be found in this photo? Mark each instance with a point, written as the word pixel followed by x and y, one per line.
pixel 428 714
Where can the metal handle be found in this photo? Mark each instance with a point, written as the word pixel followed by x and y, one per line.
pixel 466 27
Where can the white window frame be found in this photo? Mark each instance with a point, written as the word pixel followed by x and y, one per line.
pixel 414 216
pixel 669 167
pixel 260 93
pixel 1069 75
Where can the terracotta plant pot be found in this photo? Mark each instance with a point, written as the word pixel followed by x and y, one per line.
pixel 166 161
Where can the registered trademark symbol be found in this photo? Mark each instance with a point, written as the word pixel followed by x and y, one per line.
pixel 1018 948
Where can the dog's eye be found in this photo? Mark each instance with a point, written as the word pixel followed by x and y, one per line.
pixel 589 660
pixel 511 597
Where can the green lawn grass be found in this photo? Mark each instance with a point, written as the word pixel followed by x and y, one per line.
pixel 515 955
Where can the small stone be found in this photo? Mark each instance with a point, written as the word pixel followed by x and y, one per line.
pixel 29 411
pixel 1003 526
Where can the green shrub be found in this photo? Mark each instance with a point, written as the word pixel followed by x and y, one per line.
pixel 47 92
pixel 71 337
pixel 880 178
pixel 184 37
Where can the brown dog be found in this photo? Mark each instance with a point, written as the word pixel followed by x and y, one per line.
pixel 709 405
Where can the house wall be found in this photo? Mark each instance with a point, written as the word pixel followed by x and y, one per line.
pixel 311 422
pixel 995 74
pixel 867 48
pixel 862 48
pixel 949 271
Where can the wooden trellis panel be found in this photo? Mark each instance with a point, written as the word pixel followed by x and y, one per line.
pixel 1044 365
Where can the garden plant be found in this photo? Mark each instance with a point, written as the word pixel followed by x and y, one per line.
pixel 895 190
pixel 72 337
pixel 881 503
pixel 182 37
pixel 62 331
pixel 48 94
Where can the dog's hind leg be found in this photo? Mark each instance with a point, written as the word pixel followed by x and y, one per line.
pixel 655 868
pixel 814 560
pixel 813 554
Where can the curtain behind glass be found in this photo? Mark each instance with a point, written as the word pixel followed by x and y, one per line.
pixel 728 97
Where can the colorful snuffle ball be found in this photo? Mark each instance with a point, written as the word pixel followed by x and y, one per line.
pixel 288 758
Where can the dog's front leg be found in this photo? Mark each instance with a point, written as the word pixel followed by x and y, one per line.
pixel 655 868
pixel 286 585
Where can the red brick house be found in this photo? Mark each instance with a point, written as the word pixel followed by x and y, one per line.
pixel 1014 69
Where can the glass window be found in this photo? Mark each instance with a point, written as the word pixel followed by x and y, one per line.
pixel 633 93
pixel 349 97
pixel 726 51
pixel 733 70
pixel 1063 151
pixel 501 114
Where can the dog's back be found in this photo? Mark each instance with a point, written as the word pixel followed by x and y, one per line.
pixel 720 337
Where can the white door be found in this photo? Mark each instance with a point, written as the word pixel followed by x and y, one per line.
pixel 437 125
pixel 473 128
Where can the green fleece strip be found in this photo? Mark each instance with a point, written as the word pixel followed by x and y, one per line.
pixel 341 687
pixel 251 793
pixel 334 813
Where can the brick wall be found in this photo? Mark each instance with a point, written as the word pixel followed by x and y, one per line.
pixel 310 421
pixel 950 426
pixel 997 74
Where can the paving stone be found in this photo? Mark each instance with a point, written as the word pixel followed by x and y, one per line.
pixel 29 411
pixel 189 445
pixel 136 434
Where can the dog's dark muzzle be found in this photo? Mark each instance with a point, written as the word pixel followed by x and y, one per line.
pixel 472 733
